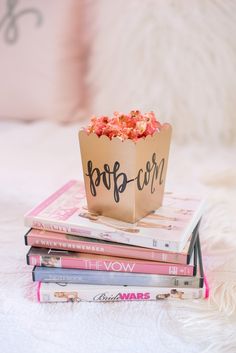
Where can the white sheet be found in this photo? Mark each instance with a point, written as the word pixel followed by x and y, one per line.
pixel 36 159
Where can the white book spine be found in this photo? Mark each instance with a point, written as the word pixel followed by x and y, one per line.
pixel 52 292
pixel 118 237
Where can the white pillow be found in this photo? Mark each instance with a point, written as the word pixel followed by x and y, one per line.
pixel 174 57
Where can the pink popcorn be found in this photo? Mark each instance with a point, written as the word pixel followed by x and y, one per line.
pixel 131 126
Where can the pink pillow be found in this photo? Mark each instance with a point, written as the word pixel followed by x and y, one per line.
pixel 41 60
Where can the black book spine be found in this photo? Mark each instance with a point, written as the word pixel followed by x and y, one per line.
pixel 193 242
pixel 33 274
pixel 27 258
pixel 26 237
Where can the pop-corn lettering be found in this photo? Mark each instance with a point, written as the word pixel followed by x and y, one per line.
pixel 111 176
pixel 120 180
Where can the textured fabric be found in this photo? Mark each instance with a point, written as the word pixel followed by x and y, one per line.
pixel 174 57
pixel 38 158
pixel 41 60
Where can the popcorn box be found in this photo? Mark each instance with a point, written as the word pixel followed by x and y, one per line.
pixel 125 180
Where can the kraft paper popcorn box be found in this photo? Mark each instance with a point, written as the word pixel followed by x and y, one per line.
pixel 125 177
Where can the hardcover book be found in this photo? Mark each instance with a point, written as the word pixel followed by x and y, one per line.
pixel 56 292
pixel 60 241
pixel 168 228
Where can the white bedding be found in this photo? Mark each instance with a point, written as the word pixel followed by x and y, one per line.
pixel 35 160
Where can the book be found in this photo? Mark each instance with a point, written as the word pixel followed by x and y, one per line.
pixel 65 275
pixel 168 228
pixel 47 274
pixel 60 241
pixel 76 260
pixel 56 292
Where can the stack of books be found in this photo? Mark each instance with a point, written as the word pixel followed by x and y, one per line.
pixel 81 256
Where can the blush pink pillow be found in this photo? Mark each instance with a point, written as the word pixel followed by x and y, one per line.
pixel 41 60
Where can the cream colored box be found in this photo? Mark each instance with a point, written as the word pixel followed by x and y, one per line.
pixel 125 180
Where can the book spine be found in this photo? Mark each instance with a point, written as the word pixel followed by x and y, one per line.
pixel 54 275
pixel 26 237
pixel 105 249
pixel 119 265
pixel 50 293
pixel 118 237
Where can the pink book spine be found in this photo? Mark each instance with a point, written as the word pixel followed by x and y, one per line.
pixel 207 288
pixel 114 265
pixel 38 291
pixel 60 241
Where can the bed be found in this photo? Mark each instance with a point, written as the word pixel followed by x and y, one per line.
pixel 37 158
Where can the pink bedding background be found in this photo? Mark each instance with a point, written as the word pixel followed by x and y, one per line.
pixel 42 60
